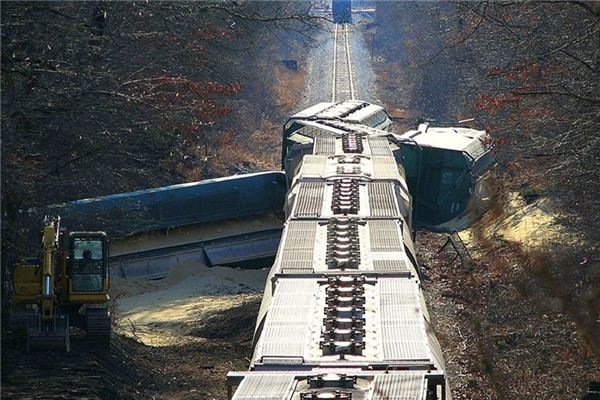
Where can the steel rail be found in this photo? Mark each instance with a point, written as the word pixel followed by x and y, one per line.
pixel 333 87
pixel 348 59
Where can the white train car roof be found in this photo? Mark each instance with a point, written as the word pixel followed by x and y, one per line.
pixel 322 199
pixel 351 111
pixel 341 385
pixel 373 247
pixel 471 141
pixel 344 293
pixel 393 332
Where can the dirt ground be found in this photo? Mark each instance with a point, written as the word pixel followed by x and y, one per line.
pixel 190 369
pixel 513 326
pixel 174 338
pixel 167 311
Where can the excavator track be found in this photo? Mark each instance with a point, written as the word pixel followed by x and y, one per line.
pixel 18 325
pixel 98 325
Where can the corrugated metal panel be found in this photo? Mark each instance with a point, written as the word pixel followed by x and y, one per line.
pixel 310 199
pixel 289 314
pixel 390 265
pixel 297 252
pixel 387 250
pixel 262 244
pixel 475 149
pixel 402 348
pixel 324 145
pixel 379 146
pixel 283 361
pixel 288 322
pixel 264 387
pixel 398 298
pixel 403 332
pixel 382 199
pixel 176 205
pixel 313 165
pixel 408 386
pixel 280 340
pixel 384 236
pixel 385 168
pixel 400 313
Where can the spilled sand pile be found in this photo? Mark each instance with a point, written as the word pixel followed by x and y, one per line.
pixel 166 311
pixel 534 226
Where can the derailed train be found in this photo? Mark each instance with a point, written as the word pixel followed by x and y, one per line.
pixel 343 314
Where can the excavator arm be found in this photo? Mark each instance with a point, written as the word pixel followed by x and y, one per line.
pixel 49 328
pixel 49 269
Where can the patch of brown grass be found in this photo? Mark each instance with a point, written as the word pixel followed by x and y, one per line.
pixel 553 269
pixel 288 88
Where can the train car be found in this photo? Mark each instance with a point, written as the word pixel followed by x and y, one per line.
pixel 233 221
pixel 322 119
pixel 448 169
pixel 342 11
pixel 343 314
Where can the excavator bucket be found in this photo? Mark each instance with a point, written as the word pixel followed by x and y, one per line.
pixel 52 335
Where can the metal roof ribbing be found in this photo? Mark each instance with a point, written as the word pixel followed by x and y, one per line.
pixel 264 387
pixel 324 145
pixel 408 386
pixel 289 319
pixel 310 199
pixel 297 252
pixel 380 146
pixel 403 333
pixel 382 200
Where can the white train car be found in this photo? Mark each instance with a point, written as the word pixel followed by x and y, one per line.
pixel 343 315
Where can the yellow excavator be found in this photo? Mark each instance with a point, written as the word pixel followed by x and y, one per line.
pixel 67 285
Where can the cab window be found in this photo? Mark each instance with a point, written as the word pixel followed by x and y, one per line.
pixel 87 266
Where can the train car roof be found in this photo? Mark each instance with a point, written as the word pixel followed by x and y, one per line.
pixel 466 140
pixel 349 110
pixel 395 327
pixel 375 385
pixel 311 111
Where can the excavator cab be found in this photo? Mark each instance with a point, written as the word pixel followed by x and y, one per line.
pixel 87 267
pixel 88 282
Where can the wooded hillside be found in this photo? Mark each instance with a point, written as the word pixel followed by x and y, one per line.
pixel 104 97
pixel 522 321
pixel 525 71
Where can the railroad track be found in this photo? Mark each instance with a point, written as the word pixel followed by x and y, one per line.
pixel 343 80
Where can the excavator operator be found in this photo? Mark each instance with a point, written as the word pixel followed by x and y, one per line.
pixel 87 275
pixel 85 265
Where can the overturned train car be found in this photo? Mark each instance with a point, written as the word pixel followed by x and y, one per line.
pixel 343 314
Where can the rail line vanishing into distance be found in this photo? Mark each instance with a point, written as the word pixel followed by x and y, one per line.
pixel 342 77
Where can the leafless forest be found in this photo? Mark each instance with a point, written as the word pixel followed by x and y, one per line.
pixel 105 97
pixel 525 318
